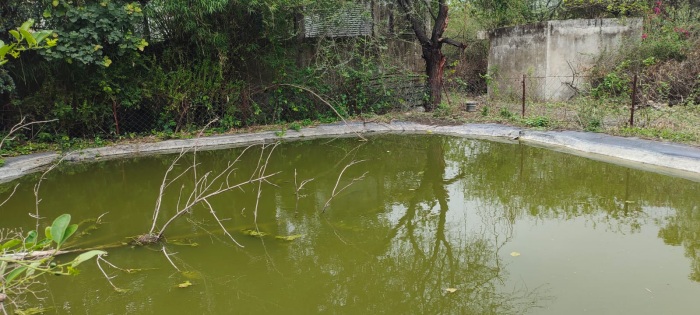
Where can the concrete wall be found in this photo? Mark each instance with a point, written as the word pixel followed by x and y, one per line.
pixel 555 55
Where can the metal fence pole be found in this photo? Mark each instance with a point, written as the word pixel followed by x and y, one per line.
pixel 523 112
pixel 634 99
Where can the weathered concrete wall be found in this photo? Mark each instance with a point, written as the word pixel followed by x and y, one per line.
pixel 555 56
pixel 516 51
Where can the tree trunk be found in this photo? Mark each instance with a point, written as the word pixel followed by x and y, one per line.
pixel 431 45
pixel 434 68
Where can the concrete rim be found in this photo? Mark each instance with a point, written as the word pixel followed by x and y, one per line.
pixel 660 157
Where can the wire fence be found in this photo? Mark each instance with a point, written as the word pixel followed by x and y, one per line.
pixel 528 89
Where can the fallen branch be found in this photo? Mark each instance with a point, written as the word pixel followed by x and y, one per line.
pixel 337 191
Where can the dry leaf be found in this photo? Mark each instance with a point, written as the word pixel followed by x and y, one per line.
pixel 184 284
pixel 451 290
pixel 515 254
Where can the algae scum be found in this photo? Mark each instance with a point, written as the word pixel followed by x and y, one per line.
pixel 437 225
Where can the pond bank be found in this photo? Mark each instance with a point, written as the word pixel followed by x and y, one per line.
pixel 668 158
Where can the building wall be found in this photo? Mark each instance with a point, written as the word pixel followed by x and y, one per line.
pixel 516 51
pixel 556 56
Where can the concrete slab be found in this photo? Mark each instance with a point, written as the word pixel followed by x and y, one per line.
pixel 668 158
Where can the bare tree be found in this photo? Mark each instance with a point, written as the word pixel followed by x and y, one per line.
pixel 416 12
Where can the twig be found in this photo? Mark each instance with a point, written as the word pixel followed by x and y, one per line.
pixel 298 188
pixel 10 196
pixel 19 126
pixel 213 213
pixel 335 188
pixel 37 186
pixel 109 279
pixel 167 256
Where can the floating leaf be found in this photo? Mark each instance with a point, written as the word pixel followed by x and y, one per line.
pixel 451 290
pixel 253 233
pixel 515 254
pixel 288 237
pixel 32 311
pixel 192 274
pixel 183 243
pixel 184 284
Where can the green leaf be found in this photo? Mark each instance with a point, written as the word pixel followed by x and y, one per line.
pixel 69 231
pixel 9 244
pixel 31 237
pixel 288 238
pixel 33 266
pixel 59 227
pixel 253 233
pixel 15 273
pixel 86 256
pixel 43 243
pixel 41 35
pixel 28 37
pixel 16 35
pixel 26 25
pixel 47 233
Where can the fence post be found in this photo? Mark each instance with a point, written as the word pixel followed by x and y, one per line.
pixel 634 100
pixel 523 112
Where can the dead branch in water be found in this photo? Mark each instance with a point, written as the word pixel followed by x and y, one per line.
pixel 205 186
pixel 337 191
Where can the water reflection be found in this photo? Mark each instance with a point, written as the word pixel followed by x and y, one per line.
pixel 433 213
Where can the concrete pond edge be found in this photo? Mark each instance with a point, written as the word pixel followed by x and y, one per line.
pixel 661 157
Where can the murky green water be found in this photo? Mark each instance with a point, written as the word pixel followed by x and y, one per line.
pixel 432 213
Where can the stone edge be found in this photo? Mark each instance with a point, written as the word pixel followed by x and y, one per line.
pixel 641 154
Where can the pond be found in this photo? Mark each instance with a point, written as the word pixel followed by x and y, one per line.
pixel 426 224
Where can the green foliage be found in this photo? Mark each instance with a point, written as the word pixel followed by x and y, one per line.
pixel 666 59
pixel 25 259
pixel 93 33
pixel 613 84
pixel 603 8
pixel 538 122
pixel 505 113
pixel 501 13
pixel 659 133
pixel 24 38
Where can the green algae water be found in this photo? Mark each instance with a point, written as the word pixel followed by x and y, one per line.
pixel 426 225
